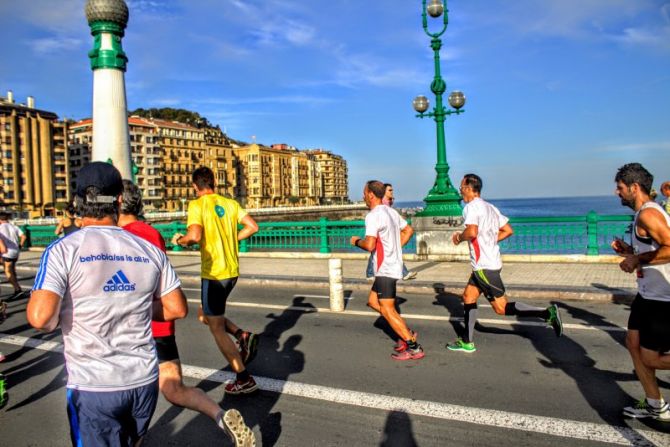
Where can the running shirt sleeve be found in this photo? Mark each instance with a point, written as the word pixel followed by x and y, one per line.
pixel 502 219
pixel 194 213
pixel 168 280
pixel 51 274
pixel 471 214
pixel 241 212
pixel 372 225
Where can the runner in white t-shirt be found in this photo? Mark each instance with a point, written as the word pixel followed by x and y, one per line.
pixel 13 238
pixel 485 227
pixel 103 285
pixel 385 234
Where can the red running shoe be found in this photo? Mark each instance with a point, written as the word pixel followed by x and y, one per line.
pixel 401 345
pixel 409 354
pixel 235 387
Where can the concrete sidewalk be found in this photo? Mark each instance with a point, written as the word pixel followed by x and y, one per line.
pixel 531 280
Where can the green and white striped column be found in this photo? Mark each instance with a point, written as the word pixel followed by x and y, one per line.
pixel 108 20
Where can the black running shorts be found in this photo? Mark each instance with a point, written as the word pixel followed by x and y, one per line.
pixel 652 319
pixel 166 349
pixel 488 282
pixel 215 294
pixel 384 286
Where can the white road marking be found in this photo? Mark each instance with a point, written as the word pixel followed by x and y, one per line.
pixel 365 313
pixel 480 416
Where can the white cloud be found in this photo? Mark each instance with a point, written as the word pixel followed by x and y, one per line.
pixel 54 44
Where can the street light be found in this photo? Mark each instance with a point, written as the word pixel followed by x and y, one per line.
pixel 443 199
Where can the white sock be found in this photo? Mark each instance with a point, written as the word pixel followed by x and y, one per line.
pixel 219 419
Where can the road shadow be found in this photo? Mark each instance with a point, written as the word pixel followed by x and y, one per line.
pixel 274 359
pixel 398 431
pixel 599 387
pixel 619 295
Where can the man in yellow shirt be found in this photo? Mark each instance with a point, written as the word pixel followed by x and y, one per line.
pixel 212 223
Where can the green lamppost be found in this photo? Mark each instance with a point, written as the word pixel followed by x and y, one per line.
pixel 443 199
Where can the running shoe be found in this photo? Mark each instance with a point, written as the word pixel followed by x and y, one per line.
pixel 236 387
pixel 238 431
pixel 248 346
pixel 555 319
pixel 409 276
pixel 642 409
pixel 4 397
pixel 409 354
pixel 460 345
pixel 401 345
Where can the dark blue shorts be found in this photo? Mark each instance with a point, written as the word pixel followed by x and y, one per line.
pixel 113 418
pixel 215 294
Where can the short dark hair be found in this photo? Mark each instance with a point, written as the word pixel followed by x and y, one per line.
pixel 635 173
pixel 89 207
pixel 386 185
pixel 203 177
pixel 131 202
pixel 377 188
pixel 474 181
pixel 5 215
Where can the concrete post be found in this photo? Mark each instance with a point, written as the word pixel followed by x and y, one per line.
pixel 336 288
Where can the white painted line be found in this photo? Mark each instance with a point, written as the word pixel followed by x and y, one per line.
pixel 364 313
pixel 564 428
pixel 322 297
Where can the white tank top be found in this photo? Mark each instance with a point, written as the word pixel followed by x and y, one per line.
pixel 654 280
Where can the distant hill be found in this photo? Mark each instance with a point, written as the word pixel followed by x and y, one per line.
pixel 182 115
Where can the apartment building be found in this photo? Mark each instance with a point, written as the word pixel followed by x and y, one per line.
pixel 146 156
pixel 34 162
pixel 332 169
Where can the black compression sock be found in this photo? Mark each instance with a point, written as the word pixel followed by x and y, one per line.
pixel 238 333
pixel 510 309
pixel 524 310
pixel 243 376
pixel 412 344
pixel 470 319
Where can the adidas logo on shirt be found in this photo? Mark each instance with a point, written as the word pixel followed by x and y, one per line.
pixel 119 283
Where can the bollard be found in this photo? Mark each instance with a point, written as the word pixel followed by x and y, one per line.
pixel 336 288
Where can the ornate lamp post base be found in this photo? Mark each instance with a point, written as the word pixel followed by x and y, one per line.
pixel 433 237
pixel 445 204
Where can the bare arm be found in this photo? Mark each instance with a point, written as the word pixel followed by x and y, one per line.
pixel 59 227
pixel 3 247
pixel 171 306
pixel 367 244
pixel 22 240
pixel 470 233
pixel 504 232
pixel 406 234
pixel 193 236
pixel 650 224
pixel 43 309
pixel 250 227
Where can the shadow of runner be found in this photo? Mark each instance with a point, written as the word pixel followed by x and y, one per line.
pixel 454 305
pixel 274 360
pixel 398 431
pixel 383 325
pixel 598 386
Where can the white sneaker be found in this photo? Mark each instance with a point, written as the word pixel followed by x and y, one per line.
pixel 237 430
pixel 410 275
pixel 642 409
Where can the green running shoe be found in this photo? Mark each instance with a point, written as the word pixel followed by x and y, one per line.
pixel 555 319
pixel 3 392
pixel 460 345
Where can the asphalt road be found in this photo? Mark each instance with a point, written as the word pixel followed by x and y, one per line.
pixel 328 378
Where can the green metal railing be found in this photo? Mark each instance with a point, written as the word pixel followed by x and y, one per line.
pixel 590 234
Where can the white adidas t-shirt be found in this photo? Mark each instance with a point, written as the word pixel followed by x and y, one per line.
pixel 108 279
pixel 484 250
pixel 385 224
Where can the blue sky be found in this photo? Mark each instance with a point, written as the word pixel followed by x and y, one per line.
pixel 559 92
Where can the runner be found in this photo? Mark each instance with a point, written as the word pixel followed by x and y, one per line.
pixel 485 227
pixel 648 254
pixel 170 380
pixel 385 234
pixel 102 285
pixel 13 238
pixel 212 223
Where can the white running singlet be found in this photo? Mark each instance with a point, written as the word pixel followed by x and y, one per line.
pixel 654 283
pixel 11 235
pixel 384 223
pixel 484 249
pixel 108 279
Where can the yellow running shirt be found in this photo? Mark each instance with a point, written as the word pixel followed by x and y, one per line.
pixel 218 217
